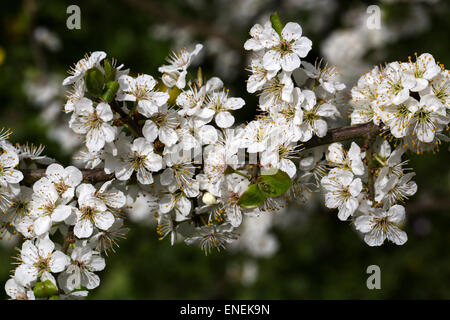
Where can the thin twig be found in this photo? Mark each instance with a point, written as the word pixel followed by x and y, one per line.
pixel 126 120
pixel 342 134
pixel 89 175
pixel 369 141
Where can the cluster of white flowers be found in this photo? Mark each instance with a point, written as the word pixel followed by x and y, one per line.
pixel 410 99
pixel 175 141
pixel 347 188
pixel 59 206
pixel 293 113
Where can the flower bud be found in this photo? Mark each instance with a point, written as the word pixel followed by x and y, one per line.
pixel 39 290
pixel 50 288
pixel 209 199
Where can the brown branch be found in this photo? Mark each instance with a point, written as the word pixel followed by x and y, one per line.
pixel 89 175
pixel 126 120
pixel 360 131
pixel 369 141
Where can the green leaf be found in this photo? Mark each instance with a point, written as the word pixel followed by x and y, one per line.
pixel 276 23
pixel 111 89
pixel 94 81
pixel 110 71
pixel 39 290
pixel 274 183
pixel 252 197
pixel 50 288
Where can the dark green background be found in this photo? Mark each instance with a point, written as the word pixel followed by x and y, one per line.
pixel 322 258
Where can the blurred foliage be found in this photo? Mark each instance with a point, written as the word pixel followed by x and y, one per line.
pixel 323 259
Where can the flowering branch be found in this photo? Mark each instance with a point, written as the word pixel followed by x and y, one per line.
pixel 170 122
pixel 350 133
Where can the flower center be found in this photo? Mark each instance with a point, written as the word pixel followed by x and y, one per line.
pixel 88 213
pixel 285 47
pixel 61 187
pixel 94 121
pixel 138 161
pixel 310 116
pixel 396 87
pixel 42 265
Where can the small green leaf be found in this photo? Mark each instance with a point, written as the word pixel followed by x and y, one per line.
pixel 111 89
pixel 110 71
pixel 50 288
pixel 252 197
pixel 54 297
pixel 275 183
pixel 276 23
pixel 39 290
pixel 94 81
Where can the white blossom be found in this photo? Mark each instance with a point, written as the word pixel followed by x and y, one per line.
pixel 342 191
pixel 174 74
pixel 18 292
pixel 220 104
pixel 82 264
pixel 286 50
pixel 47 207
pixel 83 65
pixel 139 157
pixel 39 258
pixel 141 90
pixel 379 225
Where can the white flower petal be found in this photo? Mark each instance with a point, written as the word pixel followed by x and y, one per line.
pixel 104 220
pixel 150 130
pixel 168 136
pixel 375 238
pixel 58 262
pixel 83 228
pixel 25 274
pixel 42 225
pixel 291 31
pixel 272 60
pixel 61 213
pixel 290 62
pixel 97 263
pixel 363 223
pixel 224 119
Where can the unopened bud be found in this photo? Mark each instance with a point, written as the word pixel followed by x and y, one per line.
pixel 209 199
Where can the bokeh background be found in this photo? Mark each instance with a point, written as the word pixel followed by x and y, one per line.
pixel 303 253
